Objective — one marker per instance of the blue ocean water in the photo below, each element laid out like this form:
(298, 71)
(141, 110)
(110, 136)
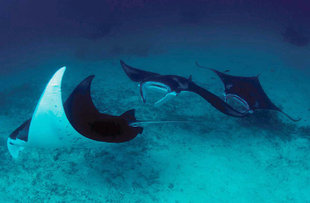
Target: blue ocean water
(216, 158)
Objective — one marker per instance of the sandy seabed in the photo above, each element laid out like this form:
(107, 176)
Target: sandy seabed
(261, 158)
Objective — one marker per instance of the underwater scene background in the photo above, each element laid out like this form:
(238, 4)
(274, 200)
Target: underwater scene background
(215, 158)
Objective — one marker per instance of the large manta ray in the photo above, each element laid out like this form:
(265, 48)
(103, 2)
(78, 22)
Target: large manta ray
(75, 123)
(88, 121)
(173, 85)
(247, 91)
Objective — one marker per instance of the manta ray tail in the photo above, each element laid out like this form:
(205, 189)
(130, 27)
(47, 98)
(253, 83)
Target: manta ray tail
(130, 117)
(139, 122)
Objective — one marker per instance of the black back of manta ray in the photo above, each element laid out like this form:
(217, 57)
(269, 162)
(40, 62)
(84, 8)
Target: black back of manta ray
(135, 74)
(89, 122)
(249, 89)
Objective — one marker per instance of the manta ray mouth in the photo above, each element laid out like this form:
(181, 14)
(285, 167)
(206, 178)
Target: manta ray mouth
(157, 86)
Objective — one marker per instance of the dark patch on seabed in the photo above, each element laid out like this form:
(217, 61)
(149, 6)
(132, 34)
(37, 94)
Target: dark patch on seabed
(274, 125)
(215, 158)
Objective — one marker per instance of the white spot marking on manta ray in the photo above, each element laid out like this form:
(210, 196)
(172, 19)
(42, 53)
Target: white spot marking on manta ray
(182, 85)
(228, 86)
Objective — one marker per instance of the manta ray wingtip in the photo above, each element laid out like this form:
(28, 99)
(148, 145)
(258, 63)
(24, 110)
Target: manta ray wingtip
(87, 81)
(205, 67)
(123, 64)
(60, 72)
(290, 117)
(91, 77)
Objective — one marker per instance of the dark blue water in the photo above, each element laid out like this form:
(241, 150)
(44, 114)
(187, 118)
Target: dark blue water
(260, 158)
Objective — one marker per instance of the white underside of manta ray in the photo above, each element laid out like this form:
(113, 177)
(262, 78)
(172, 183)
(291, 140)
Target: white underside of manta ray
(49, 125)
(157, 86)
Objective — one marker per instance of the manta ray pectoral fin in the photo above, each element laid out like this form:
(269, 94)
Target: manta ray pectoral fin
(43, 127)
(289, 117)
(48, 113)
(135, 74)
(203, 67)
(49, 126)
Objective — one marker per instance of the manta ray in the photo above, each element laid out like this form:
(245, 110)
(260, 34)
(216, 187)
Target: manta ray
(89, 122)
(76, 122)
(247, 91)
(173, 85)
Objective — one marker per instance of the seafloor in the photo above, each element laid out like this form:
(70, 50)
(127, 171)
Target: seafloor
(261, 158)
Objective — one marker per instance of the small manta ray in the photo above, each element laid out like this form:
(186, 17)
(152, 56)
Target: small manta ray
(174, 85)
(247, 91)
